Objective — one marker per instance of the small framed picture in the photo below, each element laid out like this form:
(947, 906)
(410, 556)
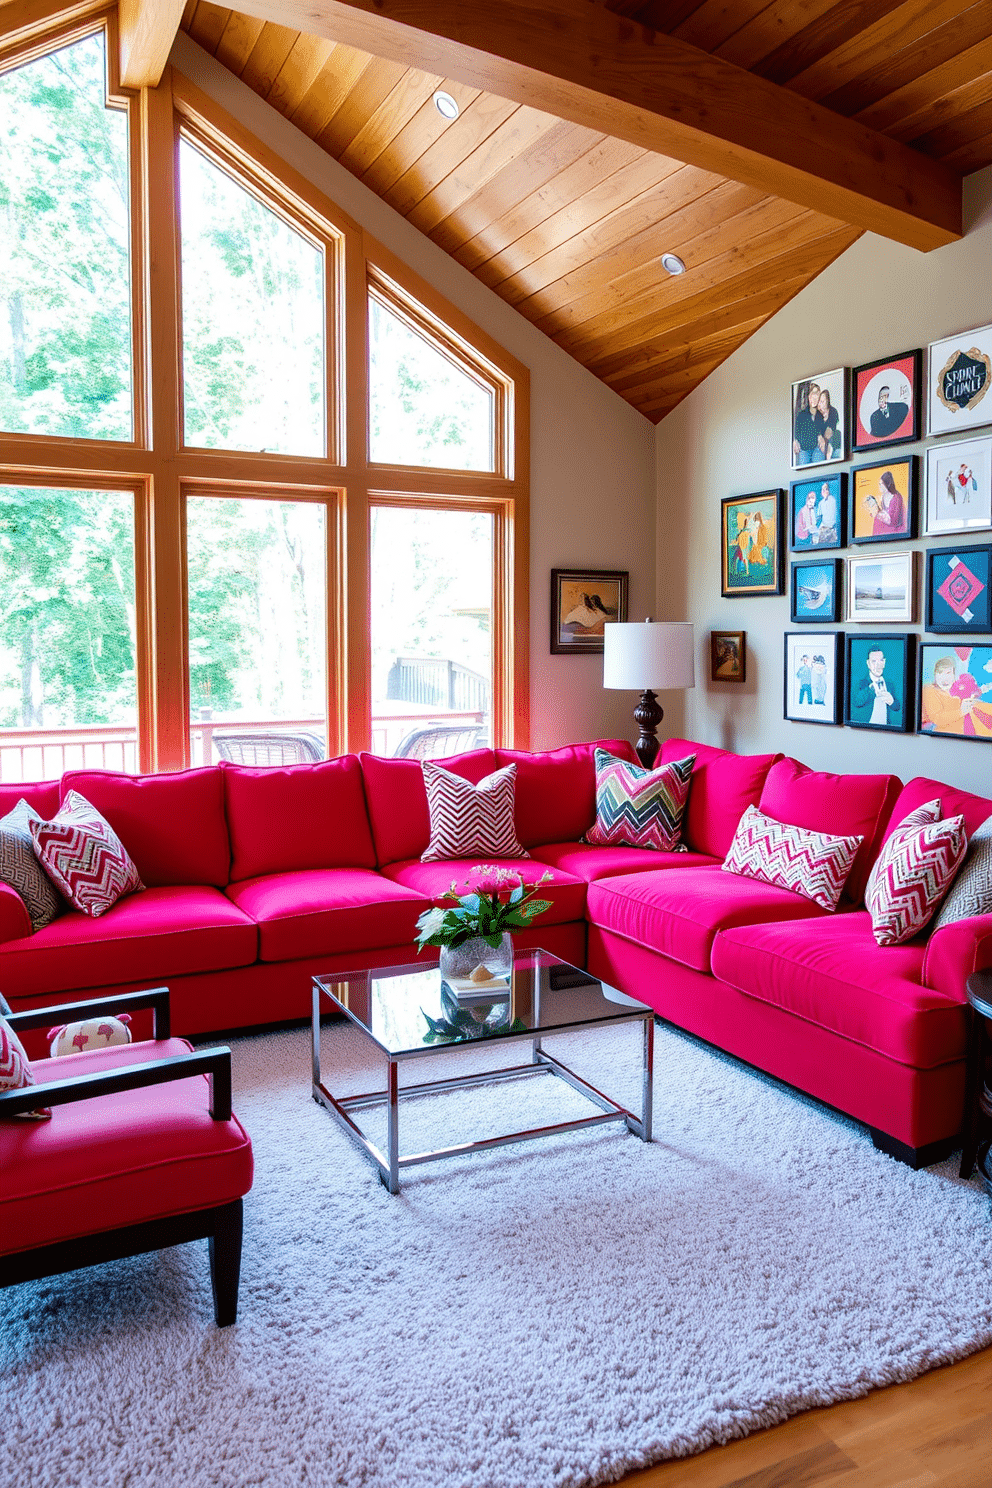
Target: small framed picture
(813, 666)
(817, 513)
(885, 401)
(728, 655)
(959, 370)
(582, 600)
(959, 487)
(815, 591)
(959, 589)
(878, 678)
(882, 587)
(955, 691)
(819, 419)
(883, 500)
(752, 551)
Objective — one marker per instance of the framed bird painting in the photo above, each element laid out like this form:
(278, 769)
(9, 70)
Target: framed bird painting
(582, 600)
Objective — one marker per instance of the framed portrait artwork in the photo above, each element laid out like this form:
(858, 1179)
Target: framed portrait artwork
(728, 655)
(955, 691)
(959, 589)
(882, 588)
(752, 550)
(819, 419)
(818, 512)
(878, 677)
(813, 665)
(885, 401)
(815, 592)
(959, 487)
(582, 600)
(883, 500)
(959, 370)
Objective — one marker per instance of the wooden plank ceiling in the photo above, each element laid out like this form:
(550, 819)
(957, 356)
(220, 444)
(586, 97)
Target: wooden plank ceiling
(569, 226)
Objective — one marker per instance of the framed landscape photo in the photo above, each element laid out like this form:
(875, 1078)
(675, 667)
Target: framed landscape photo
(959, 370)
(813, 665)
(959, 487)
(955, 691)
(728, 655)
(883, 500)
(878, 676)
(886, 404)
(882, 588)
(959, 589)
(752, 558)
(819, 419)
(582, 600)
(815, 592)
(817, 512)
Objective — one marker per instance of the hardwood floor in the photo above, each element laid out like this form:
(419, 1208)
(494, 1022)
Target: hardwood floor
(935, 1432)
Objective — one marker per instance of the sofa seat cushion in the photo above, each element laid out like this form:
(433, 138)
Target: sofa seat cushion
(679, 911)
(146, 937)
(117, 1159)
(566, 894)
(723, 786)
(321, 911)
(582, 860)
(830, 972)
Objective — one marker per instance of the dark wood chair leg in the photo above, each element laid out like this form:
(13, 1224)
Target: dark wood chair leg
(225, 1262)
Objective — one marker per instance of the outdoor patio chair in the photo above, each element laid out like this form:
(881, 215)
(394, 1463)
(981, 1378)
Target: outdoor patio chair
(436, 743)
(141, 1152)
(269, 749)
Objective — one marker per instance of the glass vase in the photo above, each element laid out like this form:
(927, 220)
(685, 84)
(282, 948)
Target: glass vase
(464, 960)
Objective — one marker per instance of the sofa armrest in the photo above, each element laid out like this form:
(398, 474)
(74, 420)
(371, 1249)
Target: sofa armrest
(215, 1063)
(101, 1007)
(15, 921)
(954, 952)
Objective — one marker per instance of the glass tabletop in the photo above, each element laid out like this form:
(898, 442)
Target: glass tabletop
(411, 1009)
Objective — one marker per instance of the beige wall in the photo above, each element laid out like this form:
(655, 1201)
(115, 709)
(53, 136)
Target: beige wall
(592, 455)
(732, 436)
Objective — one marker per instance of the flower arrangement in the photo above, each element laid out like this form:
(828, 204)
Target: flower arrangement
(497, 901)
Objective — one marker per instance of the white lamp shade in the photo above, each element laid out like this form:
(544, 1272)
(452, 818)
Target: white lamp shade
(656, 654)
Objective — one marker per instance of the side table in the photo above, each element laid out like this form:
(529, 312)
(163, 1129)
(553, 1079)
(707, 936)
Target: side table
(978, 1095)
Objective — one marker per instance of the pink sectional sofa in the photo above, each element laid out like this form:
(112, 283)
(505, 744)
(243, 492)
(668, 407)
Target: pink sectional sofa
(257, 878)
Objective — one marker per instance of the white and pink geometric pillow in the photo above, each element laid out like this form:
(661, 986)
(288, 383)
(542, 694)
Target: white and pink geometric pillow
(469, 820)
(15, 1069)
(84, 857)
(913, 873)
(814, 864)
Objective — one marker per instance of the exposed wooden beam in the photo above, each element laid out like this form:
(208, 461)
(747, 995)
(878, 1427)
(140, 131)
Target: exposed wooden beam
(147, 30)
(583, 63)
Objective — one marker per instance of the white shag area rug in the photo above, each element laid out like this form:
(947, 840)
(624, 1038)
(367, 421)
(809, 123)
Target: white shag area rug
(545, 1315)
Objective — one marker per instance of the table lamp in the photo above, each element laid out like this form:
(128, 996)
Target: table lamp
(641, 657)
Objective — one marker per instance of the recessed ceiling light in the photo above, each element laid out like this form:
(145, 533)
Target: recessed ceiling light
(672, 263)
(445, 105)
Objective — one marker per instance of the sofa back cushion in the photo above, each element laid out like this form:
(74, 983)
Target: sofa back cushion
(173, 826)
(44, 795)
(846, 805)
(397, 799)
(953, 802)
(288, 817)
(556, 789)
(723, 786)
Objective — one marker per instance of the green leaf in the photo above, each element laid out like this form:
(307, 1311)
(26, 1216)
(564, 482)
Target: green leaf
(535, 907)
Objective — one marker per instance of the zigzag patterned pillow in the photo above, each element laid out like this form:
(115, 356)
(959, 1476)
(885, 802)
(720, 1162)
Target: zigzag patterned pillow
(15, 1069)
(913, 873)
(468, 819)
(21, 870)
(813, 864)
(637, 807)
(84, 857)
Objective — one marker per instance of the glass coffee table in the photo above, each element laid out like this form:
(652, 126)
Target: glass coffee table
(407, 1012)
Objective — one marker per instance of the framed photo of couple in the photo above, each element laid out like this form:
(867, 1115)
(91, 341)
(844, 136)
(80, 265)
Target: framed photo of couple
(813, 665)
(819, 419)
(959, 487)
(818, 513)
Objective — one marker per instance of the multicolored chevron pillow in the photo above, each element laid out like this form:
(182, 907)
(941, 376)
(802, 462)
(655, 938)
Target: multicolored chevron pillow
(814, 864)
(84, 857)
(469, 820)
(913, 873)
(637, 807)
(15, 1069)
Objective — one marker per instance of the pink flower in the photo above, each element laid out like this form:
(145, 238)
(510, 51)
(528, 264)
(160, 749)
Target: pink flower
(484, 878)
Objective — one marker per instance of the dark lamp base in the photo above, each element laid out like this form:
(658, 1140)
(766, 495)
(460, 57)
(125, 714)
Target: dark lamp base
(647, 716)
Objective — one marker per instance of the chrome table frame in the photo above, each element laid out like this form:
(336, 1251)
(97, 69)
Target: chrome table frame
(541, 1062)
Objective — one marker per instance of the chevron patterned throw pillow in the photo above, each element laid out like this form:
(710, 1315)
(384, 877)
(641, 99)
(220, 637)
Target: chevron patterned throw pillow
(21, 870)
(813, 864)
(469, 820)
(913, 873)
(15, 1069)
(84, 857)
(637, 807)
